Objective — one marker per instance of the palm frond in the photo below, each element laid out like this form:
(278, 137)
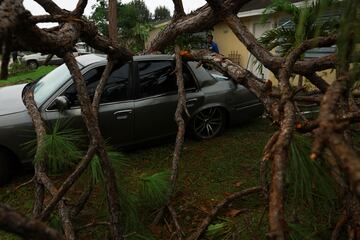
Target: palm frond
(277, 37)
(307, 22)
(280, 6)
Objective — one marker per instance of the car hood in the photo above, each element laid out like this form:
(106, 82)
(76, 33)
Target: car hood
(11, 99)
(35, 55)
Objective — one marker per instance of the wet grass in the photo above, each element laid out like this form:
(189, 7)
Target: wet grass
(27, 76)
(209, 171)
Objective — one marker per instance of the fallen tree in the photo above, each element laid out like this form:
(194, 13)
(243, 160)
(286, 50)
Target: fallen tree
(18, 31)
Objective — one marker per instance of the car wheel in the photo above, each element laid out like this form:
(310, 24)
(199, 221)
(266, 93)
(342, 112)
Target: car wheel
(208, 123)
(32, 64)
(6, 168)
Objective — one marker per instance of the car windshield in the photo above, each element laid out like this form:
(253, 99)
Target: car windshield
(218, 75)
(51, 82)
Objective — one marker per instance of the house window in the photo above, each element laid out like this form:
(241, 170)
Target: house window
(315, 52)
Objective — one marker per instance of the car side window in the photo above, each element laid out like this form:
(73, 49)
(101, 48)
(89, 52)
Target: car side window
(92, 78)
(116, 88)
(156, 77)
(189, 81)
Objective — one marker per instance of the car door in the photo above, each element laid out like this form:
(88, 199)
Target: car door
(115, 112)
(71, 118)
(156, 99)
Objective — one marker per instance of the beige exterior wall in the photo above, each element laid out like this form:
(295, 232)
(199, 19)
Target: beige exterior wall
(228, 43)
(231, 47)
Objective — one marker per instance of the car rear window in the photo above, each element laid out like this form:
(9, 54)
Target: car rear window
(159, 77)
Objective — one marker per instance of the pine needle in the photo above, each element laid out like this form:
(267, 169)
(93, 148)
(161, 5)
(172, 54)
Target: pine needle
(154, 188)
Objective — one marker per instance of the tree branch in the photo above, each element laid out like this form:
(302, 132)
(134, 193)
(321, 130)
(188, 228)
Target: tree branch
(82, 200)
(80, 7)
(39, 156)
(201, 19)
(216, 5)
(180, 109)
(14, 222)
(5, 59)
(242, 76)
(179, 9)
(349, 160)
(50, 7)
(68, 183)
(202, 227)
(317, 81)
(10, 12)
(100, 87)
(96, 138)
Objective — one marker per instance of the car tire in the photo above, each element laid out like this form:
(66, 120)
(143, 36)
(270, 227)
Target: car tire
(6, 168)
(32, 64)
(208, 123)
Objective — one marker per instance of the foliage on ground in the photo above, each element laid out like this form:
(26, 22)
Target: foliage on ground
(209, 171)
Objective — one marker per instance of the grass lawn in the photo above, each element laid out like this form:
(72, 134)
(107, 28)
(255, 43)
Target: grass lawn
(28, 76)
(209, 171)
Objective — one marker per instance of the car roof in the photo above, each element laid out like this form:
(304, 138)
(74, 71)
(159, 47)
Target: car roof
(88, 59)
(203, 76)
(157, 57)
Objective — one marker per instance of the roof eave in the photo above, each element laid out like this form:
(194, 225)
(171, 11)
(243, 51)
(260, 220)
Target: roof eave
(257, 12)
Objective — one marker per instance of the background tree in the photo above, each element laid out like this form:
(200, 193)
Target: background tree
(133, 22)
(142, 11)
(161, 13)
(100, 16)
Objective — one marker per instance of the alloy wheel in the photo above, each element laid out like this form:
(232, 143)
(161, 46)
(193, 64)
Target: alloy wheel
(208, 123)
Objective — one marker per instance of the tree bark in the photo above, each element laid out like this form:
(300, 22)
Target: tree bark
(180, 109)
(13, 222)
(5, 60)
(96, 138)
(205, 223)
(179, 9)
(201, 19)
(112, 21)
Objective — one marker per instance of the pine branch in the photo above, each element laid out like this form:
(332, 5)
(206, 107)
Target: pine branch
(202, 227)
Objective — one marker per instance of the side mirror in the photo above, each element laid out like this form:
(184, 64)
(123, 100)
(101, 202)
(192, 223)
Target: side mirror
(62, 103)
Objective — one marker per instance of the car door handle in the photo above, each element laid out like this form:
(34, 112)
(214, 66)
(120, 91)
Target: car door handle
(122, 114)
(191, 102)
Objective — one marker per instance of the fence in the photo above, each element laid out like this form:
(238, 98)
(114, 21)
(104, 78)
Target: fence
(234, 56)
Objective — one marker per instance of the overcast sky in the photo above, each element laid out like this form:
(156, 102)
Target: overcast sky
(189, 5)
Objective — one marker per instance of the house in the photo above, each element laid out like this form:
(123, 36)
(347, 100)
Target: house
(251, 14)
(229, 44)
